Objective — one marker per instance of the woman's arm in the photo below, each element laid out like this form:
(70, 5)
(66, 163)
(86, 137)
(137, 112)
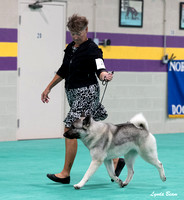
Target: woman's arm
(55, 81)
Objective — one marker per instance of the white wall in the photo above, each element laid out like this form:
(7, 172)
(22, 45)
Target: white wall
(8, 105)
(107, 16)
(8, 13)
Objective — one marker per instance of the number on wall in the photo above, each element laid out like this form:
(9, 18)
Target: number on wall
(39, 35)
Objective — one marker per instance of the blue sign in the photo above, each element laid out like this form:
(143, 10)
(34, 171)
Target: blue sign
(176, 89)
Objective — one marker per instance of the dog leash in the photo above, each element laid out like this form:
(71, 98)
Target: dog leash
(105, 83)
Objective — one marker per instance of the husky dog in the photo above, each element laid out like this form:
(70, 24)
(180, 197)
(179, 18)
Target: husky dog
(106, 141)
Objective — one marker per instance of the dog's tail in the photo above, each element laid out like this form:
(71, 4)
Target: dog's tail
(140, 121)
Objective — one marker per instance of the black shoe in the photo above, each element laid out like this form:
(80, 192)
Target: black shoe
(60, 180)
(120, 166)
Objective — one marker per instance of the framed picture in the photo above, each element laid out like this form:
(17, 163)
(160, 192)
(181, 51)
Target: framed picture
(131, 13)
(181, 15)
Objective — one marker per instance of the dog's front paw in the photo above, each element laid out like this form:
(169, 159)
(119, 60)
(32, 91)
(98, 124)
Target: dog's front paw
(163, 178)
(122, 184)
(76, 186)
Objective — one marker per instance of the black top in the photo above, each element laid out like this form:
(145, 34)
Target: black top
(79, 66)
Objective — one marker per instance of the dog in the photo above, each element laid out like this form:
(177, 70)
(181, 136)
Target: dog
(106, 141)
(133, 11)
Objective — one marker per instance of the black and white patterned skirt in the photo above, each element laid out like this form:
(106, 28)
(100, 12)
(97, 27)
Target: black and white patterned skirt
(84, 100)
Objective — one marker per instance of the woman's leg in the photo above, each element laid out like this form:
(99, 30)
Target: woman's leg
(70, 153)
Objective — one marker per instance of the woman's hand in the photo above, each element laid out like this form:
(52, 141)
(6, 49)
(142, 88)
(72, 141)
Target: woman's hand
(44, 97)
(106, 76)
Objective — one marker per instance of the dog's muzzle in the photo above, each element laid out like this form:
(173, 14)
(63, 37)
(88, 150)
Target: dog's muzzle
(71, 134)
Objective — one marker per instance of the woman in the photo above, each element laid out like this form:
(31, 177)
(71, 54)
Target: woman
(82, 62)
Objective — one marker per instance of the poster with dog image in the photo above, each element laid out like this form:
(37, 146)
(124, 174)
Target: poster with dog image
(131, 13)
(181, 15)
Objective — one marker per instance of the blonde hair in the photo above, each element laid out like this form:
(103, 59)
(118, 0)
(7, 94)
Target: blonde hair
(77, 23)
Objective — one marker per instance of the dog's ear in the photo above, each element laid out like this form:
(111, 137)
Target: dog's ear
(86, 121)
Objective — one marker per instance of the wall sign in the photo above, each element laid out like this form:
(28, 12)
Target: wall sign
(176, 89)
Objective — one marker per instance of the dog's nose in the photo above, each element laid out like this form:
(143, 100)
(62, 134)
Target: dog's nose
(65, 134)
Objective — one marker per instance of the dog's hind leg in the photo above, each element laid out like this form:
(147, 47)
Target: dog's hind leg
(148, 152)
(95, 164)
(129, 161)
(110, 169)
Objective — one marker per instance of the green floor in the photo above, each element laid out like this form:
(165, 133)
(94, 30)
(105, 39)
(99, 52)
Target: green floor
(24, 165)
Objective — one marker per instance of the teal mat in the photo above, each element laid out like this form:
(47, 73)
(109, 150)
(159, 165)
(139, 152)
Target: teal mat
(24, 165)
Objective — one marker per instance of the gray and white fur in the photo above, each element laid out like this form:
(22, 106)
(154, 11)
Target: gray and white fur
(106, 141)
